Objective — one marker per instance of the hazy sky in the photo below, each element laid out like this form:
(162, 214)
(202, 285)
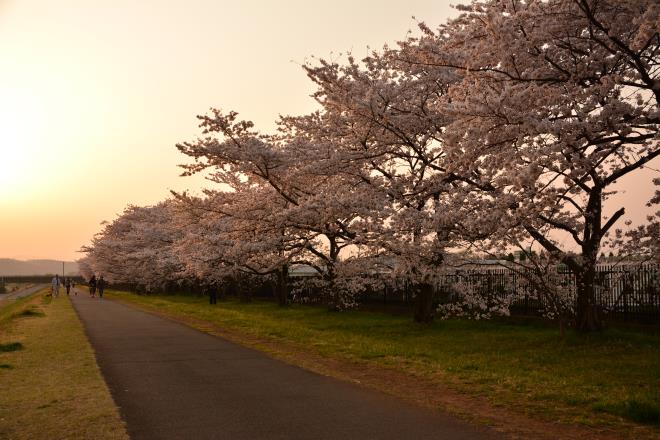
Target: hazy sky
(94, 95)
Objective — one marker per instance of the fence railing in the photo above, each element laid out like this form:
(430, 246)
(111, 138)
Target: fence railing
(623, 292)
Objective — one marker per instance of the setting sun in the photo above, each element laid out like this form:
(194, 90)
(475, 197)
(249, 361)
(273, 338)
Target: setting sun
(22, 126)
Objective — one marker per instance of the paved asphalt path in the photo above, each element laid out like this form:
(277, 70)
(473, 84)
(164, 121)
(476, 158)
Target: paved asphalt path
(23, 292)
(173, 382)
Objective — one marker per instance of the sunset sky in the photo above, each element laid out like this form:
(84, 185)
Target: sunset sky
(94, 95)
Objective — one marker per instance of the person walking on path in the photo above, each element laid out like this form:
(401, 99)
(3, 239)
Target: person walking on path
(92, 286)
(55, 285)
(213, 294)
(67, 285)
(73, 286)
(100, 284)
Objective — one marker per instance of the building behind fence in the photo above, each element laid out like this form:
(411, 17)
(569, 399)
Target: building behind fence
(623, 292)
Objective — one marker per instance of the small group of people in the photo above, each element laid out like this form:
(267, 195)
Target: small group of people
(96, 285)
(68, 284)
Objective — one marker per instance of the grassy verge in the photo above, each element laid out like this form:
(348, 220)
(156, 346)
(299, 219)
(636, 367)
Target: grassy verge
(51, 385)
(605, 380)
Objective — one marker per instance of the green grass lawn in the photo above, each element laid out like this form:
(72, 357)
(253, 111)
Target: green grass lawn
(600, 379)
(50, 385)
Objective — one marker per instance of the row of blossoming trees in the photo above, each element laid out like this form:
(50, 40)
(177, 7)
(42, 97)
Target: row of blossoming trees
(505, 127)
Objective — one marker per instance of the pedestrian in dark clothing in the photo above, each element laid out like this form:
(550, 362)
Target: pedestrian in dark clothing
(92, 286)
(100, 284)
(213, 294)
(67, 284)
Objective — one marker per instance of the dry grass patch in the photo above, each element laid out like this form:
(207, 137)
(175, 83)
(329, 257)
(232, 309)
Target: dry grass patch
(51, 385)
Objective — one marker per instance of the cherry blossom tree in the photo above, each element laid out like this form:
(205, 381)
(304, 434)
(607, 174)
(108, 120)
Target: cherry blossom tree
(136, 248)
(558, 100)
(381, 128)
(281, 207)
(228, 236)
(85, 267)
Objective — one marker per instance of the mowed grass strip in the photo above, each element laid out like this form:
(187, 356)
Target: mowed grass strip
(606, 379)
(51, 387)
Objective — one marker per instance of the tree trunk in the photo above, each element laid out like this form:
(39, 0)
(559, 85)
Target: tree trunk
(282, 286)
(245, 293)
(424, 303)
(333, 300)
(332, 296)
(562, 328)
(587, 314)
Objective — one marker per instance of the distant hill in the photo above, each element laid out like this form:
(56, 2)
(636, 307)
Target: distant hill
(10, 267)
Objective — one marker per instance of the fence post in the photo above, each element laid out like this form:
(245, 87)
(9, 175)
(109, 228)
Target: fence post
(625, 297)
(526, 304)
(489, 277)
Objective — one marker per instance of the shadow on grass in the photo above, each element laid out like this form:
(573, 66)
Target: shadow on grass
(32, 311)
(640, 411)
(47, 405)
(5, 367)
(12, 346)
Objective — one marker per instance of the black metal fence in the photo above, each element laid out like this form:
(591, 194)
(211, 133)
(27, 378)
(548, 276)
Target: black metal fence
(628, 292)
